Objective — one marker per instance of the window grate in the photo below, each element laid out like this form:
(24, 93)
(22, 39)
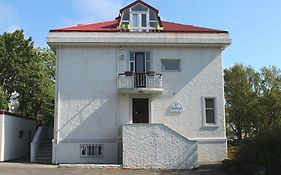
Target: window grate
(91, 150)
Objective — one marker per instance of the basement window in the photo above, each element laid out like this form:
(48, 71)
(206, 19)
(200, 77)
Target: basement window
(91, 150)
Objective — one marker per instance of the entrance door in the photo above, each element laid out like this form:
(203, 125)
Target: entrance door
(140, 110)
(140, 79)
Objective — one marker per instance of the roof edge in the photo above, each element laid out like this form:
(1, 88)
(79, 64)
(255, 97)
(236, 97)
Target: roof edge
(2, 112)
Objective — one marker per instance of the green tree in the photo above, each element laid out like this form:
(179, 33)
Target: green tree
(241, 95)
(27, 75)
(270, 98)
(3, 100)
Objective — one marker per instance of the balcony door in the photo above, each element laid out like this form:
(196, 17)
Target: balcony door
(140, 110)
(140, 77)
(140, 62)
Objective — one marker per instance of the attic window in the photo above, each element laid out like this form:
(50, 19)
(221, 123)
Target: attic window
(139, 18)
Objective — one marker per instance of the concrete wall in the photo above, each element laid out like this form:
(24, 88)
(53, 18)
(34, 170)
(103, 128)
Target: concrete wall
(13, 146)
(157, 146)
(87, 97)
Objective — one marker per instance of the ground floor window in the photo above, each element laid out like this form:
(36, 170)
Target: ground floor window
(91, 150)
(209, 111)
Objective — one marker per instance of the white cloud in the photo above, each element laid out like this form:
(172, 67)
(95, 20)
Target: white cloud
(96, 10)
(9, 18)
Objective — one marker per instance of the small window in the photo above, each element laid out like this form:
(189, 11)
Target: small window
(152, 15)
(170, 65)
(91, 150)
(210, 111)
(126, 15)
(21, 134)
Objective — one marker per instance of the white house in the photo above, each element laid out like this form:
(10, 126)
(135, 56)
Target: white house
(139, 91)
(16, 134)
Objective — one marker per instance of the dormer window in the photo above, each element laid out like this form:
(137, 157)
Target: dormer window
(139, 18)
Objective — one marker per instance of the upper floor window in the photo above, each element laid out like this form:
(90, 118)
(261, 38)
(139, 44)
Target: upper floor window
(170, 65)
(139, 18)
(139, 62)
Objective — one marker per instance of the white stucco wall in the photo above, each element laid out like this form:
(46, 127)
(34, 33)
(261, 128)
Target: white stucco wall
(201, 76)
(157, 146)
(1, 138)
(14, 147)
(89, 108)
(212, 151)
(87, 98)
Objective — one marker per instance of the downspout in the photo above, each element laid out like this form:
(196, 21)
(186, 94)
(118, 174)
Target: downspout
(57, 108)
(117, 108)
(224, 121)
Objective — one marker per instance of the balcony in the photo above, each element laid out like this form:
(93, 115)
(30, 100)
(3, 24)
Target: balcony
(140, 83)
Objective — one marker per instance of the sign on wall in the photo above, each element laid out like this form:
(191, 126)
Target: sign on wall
(176, 108)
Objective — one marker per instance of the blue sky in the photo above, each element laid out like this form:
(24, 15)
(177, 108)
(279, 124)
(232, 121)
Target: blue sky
(254, 26)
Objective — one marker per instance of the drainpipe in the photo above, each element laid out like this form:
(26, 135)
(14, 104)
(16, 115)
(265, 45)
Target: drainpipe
(117, 107)
(57, 108)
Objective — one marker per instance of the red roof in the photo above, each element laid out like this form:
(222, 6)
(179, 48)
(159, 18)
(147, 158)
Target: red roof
(111, 26)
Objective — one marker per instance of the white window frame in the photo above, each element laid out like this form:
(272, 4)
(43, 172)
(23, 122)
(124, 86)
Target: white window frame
(139, 27)
(164, 70)
(205, 124)
(95, 153)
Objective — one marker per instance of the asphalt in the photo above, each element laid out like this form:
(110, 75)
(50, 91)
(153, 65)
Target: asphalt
(8, 168)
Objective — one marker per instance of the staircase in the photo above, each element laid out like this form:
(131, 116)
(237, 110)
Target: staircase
(44, 152)
(41, 146)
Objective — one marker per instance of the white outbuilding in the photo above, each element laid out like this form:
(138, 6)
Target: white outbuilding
(16, 134)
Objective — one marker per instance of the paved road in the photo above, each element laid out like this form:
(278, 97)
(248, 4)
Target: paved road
(32, 169)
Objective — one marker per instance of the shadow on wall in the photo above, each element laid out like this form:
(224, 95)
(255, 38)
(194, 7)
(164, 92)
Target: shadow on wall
(96, 119)
(195, 62)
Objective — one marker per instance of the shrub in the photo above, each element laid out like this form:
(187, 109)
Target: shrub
(262, 149)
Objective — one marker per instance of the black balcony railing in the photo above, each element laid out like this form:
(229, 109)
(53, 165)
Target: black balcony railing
(140, 80)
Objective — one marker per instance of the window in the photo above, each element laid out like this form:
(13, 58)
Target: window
(148, 65)
(170, 65)
(91, 150)
(143, 20)
(21, 134)
(135, 20)
(210, 111)
(139, 18)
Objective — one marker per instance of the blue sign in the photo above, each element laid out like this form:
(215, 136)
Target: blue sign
(176, 108)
